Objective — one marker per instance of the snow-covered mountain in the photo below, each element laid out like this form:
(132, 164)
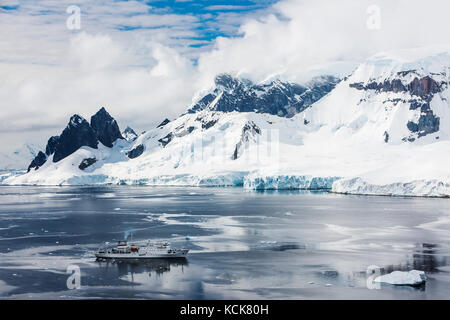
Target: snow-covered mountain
(279, 98)
(385, 129)
(129, 134)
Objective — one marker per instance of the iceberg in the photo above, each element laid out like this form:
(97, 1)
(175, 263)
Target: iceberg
(402, 278)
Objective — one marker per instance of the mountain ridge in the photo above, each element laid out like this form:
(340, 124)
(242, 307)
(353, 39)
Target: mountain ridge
(384, 129)
(277, 97)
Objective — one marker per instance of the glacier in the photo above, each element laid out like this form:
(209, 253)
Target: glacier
(424, 188)
(288, 182)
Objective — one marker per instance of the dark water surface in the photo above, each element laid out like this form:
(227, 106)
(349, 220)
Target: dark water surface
(244, 245)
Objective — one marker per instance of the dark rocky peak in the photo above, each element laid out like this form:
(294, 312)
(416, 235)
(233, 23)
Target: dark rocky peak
(37, 162)
(77, 134)
(51, 145)
(129, 134)
(105, 127)
(228, 82)
(162, 124)
(277, 97)
(76, 120)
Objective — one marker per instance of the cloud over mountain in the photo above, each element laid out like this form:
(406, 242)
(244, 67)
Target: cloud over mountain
(146, 62)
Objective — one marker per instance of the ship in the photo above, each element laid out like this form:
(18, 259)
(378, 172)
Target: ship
(123, 250)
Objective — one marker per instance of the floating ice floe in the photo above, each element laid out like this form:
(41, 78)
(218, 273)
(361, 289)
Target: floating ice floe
(268, 242)
(402, 278)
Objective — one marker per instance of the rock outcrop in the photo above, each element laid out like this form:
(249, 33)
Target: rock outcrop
(279, 98)
(77, 134)
(37, 162)
(105, 127)
(162, 124)
(87, 163)
(421, 89)
(129, 134)
(136, 152)
(249, 131)
(80, 133)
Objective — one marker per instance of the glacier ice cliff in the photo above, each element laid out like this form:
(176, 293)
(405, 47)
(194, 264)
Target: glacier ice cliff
(288, 182)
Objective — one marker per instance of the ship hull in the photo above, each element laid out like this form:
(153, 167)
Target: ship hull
(132, 256)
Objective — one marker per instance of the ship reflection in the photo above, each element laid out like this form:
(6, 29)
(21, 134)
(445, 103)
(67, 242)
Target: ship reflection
(425, 257)
(152, 266)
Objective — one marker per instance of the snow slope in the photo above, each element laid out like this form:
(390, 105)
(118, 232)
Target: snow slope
(384, 130)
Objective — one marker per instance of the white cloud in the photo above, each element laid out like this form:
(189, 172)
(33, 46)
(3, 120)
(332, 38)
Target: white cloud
(226, 7)
(97, 73)
(308, 37)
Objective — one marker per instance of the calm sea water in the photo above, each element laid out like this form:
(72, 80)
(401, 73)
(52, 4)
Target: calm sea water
(244, 245)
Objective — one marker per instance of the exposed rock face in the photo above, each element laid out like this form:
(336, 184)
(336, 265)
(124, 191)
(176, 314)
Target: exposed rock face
(87, 163)
(129, 134)
(80, 133)
(183, 132)
(136, 152)
(208, 120)
(208, 124)
(162, 124)
(105, 127)
(249, 131)
(77, 134)
(166, 140)
(179, 132)
(421, 89)
(278, 98)
(386, 137)
(428, 123)
(424, 87)
(51, 145)
(37, 162)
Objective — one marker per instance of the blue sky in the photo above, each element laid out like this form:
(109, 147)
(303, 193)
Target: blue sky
(190, 25)
(212, 15)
